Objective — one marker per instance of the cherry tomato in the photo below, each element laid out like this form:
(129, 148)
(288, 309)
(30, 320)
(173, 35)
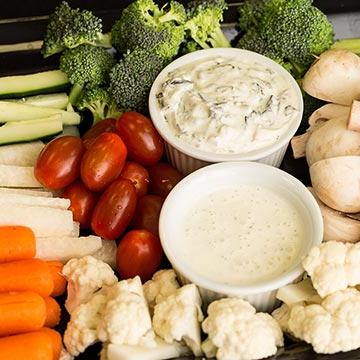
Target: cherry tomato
(139, 253)
(82, 201)
(163, 177)
(103, 162)
(147, 213)
(144, 144)
(138, 175)
(114, 210)
(106, 125)
(58, 164)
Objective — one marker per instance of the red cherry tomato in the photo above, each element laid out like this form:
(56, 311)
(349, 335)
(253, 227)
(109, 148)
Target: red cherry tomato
(114, 210)
(143, 142)
(163, 177)
(138, 175)
(139, 253)
(82, 201)
(106, 125)
(58, 164)
(147, 213)
(103, 162)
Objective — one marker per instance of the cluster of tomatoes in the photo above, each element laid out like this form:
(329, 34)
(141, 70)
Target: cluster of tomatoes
(115, 182)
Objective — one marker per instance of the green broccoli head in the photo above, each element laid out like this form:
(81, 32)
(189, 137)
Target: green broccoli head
(86, 65)
(143, 25)
(203, 25)
(99, 102)
(250, 13)
(69, 28)
(132, 77)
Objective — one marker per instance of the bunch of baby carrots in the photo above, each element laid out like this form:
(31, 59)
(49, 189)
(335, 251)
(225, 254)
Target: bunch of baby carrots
(28, 309)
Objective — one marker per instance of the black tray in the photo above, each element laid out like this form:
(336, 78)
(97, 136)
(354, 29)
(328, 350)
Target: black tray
(25, 21)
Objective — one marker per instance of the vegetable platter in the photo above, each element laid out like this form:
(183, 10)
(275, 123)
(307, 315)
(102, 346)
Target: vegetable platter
(84, 174)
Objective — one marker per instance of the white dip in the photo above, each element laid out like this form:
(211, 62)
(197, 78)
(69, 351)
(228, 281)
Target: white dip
(241, 235)
(224, 105)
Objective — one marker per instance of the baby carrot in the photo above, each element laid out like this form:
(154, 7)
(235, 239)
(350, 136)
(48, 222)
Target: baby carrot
(26, 275)
(21, 312)
(37, 345)
(53, 312)
(58, 279)
(16, 243)
(55, 340)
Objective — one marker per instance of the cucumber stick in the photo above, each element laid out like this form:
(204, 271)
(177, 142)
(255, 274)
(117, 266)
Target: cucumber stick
(23, 131)
(19, 86)
(56, 101)
(11, 111)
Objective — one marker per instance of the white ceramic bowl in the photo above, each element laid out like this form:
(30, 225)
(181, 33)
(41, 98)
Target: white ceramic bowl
(187, 158)
(200, 183)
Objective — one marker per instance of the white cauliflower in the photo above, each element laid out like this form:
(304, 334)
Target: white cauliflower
(236, 331)
(162, 284)
(178, 318)
(125, 317)
(330, 327)
(333, 266)
(85, 276)
(64, 355)
(81, 330)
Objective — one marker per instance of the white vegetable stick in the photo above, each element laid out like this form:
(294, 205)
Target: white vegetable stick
(21, 199)
(76, 229)
(354, 116)
(44, 221)
(30, 192)
(18, 176)
(107, 253)
(20, 154)
(65, 248)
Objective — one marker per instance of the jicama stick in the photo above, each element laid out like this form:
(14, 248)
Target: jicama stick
(37, 345)
(31, 192)
(53, 312)
(107, 253)
(16, 243)
(58, 278)
(26, 275)
(43, 221)
(21, 312)
(55, 341)
(24, 154)
(18, 176)
(354, 116)
(76, 230)
(66, 248)
(21, 199)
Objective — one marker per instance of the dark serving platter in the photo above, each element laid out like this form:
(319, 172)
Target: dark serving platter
(23, 22)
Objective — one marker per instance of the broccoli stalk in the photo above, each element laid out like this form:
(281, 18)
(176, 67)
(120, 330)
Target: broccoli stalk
(352, 45)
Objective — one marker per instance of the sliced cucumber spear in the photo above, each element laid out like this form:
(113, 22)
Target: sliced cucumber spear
(29, 130)
(11, 111)
(56, 101)
(19, 86)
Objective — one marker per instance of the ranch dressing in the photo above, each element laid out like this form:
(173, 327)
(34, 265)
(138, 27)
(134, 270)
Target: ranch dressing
(242, 235)
(225, 105)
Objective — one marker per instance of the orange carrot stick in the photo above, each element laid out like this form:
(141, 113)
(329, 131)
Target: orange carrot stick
(16, 243)
(56, 341)
(53, 312)
(26, 275)
(35, 345)
(21, 312)
(58, 279)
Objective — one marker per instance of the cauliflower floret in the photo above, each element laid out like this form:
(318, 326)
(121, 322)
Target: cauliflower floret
(85, 276)
(236, 331)
(162, 284)
(126, 318)
(330, 327)
(178, 318)
(282, 316)
(81, 329)
(64, 355)
(333, 266)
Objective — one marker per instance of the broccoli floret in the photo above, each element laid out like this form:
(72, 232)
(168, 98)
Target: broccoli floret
(69, 28)
(292, 32)
(132, 77)
(86, 65)
(143, 25)
(203, 25)
(99, 102)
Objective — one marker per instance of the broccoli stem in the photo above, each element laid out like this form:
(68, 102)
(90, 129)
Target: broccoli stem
(348, 44)
(218, 39)
(104, 40)
(75, 93)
